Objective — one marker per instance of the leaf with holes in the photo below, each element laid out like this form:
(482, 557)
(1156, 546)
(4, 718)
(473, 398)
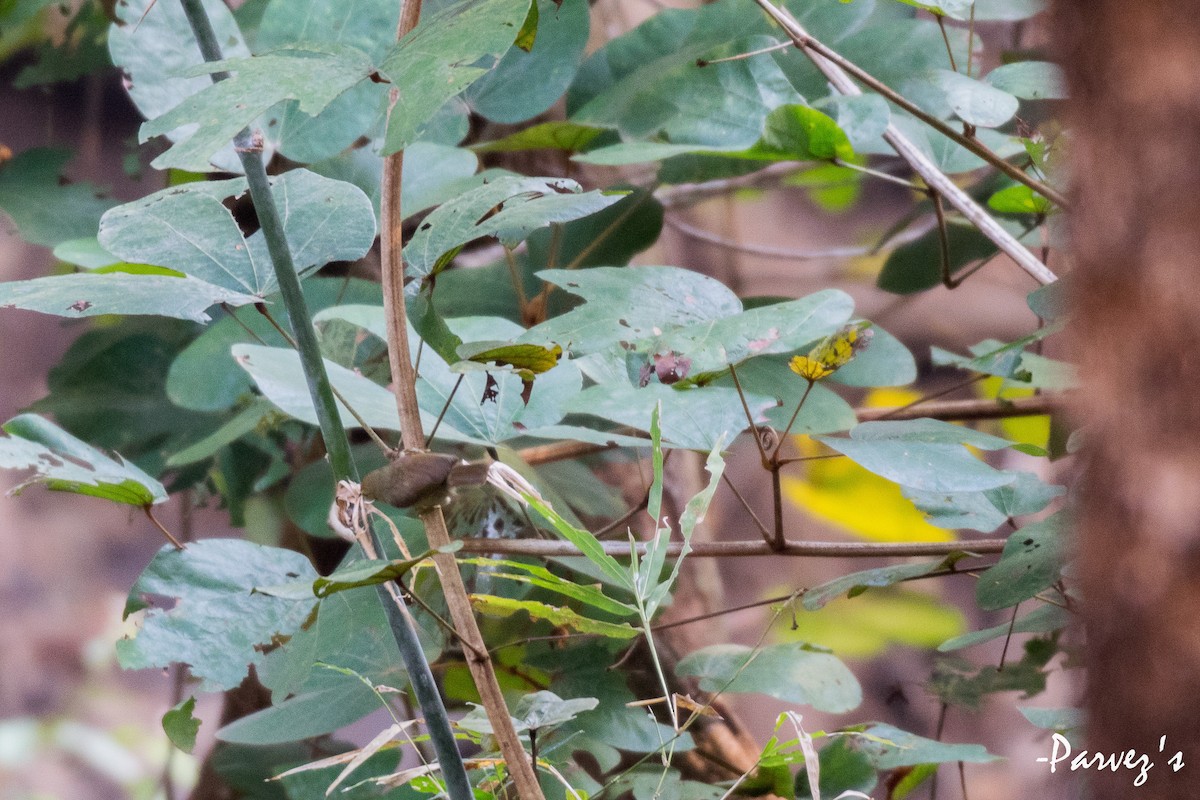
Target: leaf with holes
(66, 464)
(189, 229)
(508, 208)
(219, 625)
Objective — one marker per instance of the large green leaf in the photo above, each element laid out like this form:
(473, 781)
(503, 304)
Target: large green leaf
(647, 82)
(508, 208)
(367, 25)
(533, 712)
(858, 582)
(439, 58)
(789, 672)
(89, 295)
(558, 616)
(204, 376)
(46, 208)
(985, 511)
(314, 75)
(219, 625)
(629, 304)
(433, 173)
(917, 265)
(888, 747)
(693, 419)
(721, 105)
(66, 464)
(153, 44)
(1032, 561)
(923, 454)
(1043, 619)
(1030, 80)
(187, 228)
(524, 84)
(973, 101)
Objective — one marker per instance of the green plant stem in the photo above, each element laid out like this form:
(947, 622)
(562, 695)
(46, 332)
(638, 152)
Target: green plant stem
(249, 150)
(336, 444)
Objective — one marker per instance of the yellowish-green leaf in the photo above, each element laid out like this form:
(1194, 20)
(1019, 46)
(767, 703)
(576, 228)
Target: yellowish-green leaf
(564, 617)
(526, 359)
(833, 352)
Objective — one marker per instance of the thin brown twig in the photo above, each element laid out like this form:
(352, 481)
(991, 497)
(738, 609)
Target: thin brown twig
(552, 548)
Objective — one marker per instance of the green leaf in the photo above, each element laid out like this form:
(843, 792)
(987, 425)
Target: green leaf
(85, 252)
(533, 712)
(956, 9)
(1032, 561)
(963, 683)
(45, 207)
(648, 84)
(187, 228)
(923, 454)
(312, 74)
(1043, 619)
(1002, 359)
(371, 573)
(801, 133)
(242, 423)
(66, 464)
(1018, 199)
(1051, 302)
(1030, 80)
(554, 135)
(988, 510)
(437, 60)
(629, 304)
(527, 359)
(154, 46)
(219, 625)
(693, 515)
(917, 265)
(1054, 719)
(888, 747)
(693, 419)
(559, 616)
(181, 726)
(277, 373)
(367, 25)
(858, 582)
(588, 544)
(617, 155)
(842, 769)
(433, 173)
(789, 672)
(824, 410)
(508, 208)
(89, 295)
(526, 82)
(865, 626)
(205, 377)
(1007, 10)
(541, 577)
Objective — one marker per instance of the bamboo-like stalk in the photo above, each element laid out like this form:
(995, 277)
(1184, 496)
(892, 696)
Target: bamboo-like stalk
(336, 444)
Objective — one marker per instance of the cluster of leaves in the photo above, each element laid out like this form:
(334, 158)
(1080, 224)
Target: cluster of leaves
(556, 339)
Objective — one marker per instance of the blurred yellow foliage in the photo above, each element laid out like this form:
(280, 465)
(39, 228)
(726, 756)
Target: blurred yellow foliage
(847, 496)
(863, 626)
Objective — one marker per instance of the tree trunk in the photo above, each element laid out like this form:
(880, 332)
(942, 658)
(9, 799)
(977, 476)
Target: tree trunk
(1135, 115)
